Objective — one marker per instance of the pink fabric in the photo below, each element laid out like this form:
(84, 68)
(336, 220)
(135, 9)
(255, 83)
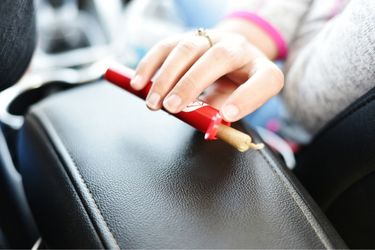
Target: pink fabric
(267, 27)
(336, 8)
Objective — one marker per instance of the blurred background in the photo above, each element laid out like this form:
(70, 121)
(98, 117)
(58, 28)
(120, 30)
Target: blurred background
(77, 32)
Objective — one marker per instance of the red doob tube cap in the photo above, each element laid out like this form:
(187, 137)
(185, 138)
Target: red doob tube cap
(198, 114)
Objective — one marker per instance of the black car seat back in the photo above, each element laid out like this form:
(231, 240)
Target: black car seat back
(338, 169)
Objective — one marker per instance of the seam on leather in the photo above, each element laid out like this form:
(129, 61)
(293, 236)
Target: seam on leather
(52, 135)
(355, 182)
(36, 126)
(336, 195)
(299, 201)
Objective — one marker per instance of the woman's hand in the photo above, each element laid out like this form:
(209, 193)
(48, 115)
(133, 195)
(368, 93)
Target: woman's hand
(233, 75)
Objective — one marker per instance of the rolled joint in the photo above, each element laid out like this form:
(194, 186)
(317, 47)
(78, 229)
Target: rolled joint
(239, 140)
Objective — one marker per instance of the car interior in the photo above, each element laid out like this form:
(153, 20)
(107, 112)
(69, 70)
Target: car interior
(84, 164)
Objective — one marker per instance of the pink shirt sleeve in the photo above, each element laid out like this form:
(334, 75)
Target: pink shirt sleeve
(272, 31)
(278, 18)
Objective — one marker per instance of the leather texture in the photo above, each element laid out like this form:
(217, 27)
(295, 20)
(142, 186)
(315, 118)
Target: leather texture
(101, 170)
(338, 169)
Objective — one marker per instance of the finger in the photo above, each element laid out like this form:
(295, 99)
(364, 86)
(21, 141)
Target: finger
(221, 59)
(150, 63)
(265, 81)
(218, 92)
(177, 63)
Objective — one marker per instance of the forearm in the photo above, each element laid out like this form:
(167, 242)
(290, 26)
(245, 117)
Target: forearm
(334, 69)
(253, 33)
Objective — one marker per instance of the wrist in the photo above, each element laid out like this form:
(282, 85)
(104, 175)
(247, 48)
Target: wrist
(257, 31)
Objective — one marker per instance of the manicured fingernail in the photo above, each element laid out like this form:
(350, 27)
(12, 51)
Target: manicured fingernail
(230, 112)
(137, 82)
(153, 100)
(172, 103)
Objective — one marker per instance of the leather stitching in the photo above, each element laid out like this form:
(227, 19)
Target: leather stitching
(291, 191)
(35, 124)
(92, 198)
(79, 175)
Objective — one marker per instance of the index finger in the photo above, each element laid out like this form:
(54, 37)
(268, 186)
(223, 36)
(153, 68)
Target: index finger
(152, 61)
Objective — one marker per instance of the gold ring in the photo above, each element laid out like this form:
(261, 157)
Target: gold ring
(203, 32)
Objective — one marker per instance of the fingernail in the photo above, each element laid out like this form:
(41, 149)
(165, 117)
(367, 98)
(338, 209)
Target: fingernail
(172, 103)
(136, 82)
(153, 100)
(230, 112)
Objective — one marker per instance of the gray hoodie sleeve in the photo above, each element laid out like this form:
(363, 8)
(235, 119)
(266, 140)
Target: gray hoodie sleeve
(17, 39)
(331, 59)
(333, 69)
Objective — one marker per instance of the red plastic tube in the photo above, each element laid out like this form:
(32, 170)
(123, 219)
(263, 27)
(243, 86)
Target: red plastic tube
(198, 114)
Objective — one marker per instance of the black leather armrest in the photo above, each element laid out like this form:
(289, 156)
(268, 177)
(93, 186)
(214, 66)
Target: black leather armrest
(101, 170)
